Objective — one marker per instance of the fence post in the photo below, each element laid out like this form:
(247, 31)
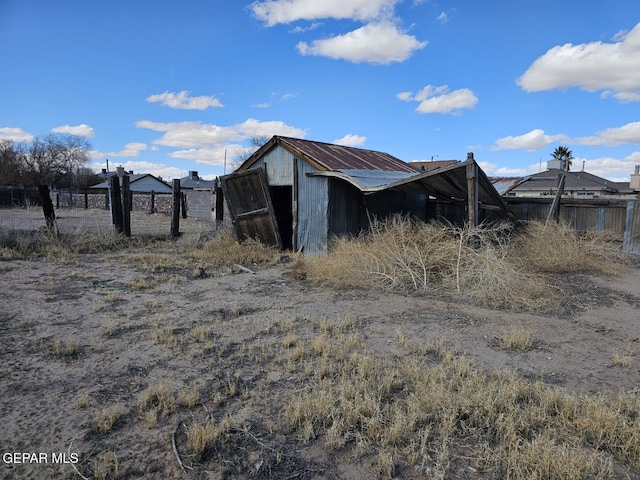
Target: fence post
(629, 242)
(175, 209)
(183, 204)
(47, 207)
(472, 191)
(116, 204)
(86, 200)
(126, 206)
(152, 206)
(219, 204)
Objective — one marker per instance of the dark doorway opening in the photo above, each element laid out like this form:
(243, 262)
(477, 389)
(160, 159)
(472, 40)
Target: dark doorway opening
(282, 200)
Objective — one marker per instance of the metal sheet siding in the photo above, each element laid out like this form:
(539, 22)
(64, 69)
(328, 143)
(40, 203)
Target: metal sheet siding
(313, 203)
(343, 209)
(279, 163)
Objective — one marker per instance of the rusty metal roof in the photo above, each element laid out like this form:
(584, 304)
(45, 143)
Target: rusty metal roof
(330, 157)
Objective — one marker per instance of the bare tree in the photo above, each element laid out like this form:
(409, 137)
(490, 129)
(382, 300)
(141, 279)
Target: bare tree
(53, 160)
(10, 164)
(255, 141)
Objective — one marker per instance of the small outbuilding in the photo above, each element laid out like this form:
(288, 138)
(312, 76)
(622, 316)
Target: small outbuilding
(299, 194)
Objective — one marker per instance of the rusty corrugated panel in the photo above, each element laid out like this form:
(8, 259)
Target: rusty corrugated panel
(339, 157)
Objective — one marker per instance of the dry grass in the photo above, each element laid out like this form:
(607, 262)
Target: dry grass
(107, 417)
(517, 339)
(490, 266)
(158, 397)
(106, 466)
(438, 413)
(200, 438)
(558, 248)
(22, 244)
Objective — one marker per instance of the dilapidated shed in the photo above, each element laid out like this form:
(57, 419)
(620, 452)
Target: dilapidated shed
(298, 194)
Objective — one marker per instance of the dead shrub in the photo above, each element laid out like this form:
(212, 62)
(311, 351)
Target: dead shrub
(224, 250)
(558, 248)
(416, 257)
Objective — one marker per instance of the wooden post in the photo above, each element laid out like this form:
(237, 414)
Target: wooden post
(472, 191)
(175, 209)
(106, 201)
(152, 206)
(554, 212)
(126, 206)
(116, 203)
(219, 204)
(183, 204)
(86, 200)
(47, 207)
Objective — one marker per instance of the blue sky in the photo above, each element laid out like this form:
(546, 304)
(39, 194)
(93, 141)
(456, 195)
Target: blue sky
(165, 87)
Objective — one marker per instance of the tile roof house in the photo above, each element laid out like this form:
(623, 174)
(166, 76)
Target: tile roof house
(578, 184)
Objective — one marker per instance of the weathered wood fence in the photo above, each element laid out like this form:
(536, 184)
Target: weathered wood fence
(620, 216)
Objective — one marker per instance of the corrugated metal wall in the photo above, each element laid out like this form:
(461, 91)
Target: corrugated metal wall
(312, 197)
(313, 208)
(344, 208)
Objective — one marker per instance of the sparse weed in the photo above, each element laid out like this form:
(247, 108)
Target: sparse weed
(517, 339)
(107, 417)
(621, 360)
(201, 333)
(163, 334)
(83, 401)
(420, 411)
(188, 396)
(106, 466)
(202, 437)
(289, 340)
(64, 348)
(158, 396)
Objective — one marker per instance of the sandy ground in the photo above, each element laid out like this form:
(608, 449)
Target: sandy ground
(83, 342)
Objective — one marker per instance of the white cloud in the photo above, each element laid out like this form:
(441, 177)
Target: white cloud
(495, 170)
(211, 156)
(351, 140)
(132, 149)
(440, 100)
(299, 29)
(15, 134)
(613, 67)
(443, 18)
(261, 105)
(379, 43)
(533, 140)
(611, 137)
(181, 100)
(614, 169)
(82, 130)
(188, 135)
(273, 12)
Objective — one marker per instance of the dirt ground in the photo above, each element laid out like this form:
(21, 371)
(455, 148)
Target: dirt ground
(82, 342)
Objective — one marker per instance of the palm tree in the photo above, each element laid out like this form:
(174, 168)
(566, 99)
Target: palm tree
(564, 156)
